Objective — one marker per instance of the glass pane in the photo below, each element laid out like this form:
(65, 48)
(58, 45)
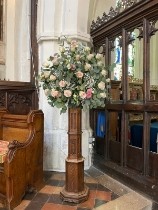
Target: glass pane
(116, 59)
(154, 62)
(135, 65)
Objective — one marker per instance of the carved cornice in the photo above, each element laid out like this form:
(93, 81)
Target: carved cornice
(121, 6)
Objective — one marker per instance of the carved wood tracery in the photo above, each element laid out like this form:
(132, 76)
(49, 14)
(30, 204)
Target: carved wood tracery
(140, 15)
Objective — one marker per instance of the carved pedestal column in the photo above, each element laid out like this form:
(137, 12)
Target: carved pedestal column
(75, 190)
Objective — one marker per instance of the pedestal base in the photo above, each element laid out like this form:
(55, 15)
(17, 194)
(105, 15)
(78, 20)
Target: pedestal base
(75, 197)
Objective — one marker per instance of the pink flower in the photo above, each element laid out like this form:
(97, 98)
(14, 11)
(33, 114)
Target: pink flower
(89, 93)
(55, 93)
(67, 93)
(62, 83)
(82, 94)
(52, 77)
(73, 67)
(79, 74)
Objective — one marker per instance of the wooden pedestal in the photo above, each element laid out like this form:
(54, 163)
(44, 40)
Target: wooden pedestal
(75, 190)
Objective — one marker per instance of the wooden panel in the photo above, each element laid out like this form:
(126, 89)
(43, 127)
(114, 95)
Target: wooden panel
(17, 97)
(135, 158)
(153, 165)
(115, 151)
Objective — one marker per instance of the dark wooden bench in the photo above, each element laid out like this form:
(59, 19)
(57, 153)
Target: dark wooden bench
(21, 168)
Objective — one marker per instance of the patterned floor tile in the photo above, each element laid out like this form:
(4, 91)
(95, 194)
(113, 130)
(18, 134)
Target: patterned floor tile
(48, 198)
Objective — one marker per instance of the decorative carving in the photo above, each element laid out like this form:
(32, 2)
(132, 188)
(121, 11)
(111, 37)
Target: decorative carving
(2, 99)
(74, 190)
(152, 28)
(19, 101)
(121, 6)
(140, 36)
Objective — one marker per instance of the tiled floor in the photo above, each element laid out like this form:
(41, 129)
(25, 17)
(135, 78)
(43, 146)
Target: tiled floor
(48, 198)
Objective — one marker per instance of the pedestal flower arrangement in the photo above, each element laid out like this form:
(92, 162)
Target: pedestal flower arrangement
(74, 79)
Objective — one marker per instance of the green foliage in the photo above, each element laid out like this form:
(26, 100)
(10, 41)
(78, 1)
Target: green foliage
(74, 77)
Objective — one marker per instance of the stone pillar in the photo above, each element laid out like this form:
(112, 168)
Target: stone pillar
(58, 18)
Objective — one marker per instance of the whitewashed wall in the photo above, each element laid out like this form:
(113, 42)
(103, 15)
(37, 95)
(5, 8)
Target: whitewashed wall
(18, 40)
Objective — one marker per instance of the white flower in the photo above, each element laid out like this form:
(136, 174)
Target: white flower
(103, 95)
(46, 74)
(61, 49)
(98, 56)
(104, 72)
(108, 80)
(75, 77)
(100, 63)
(90, 56)
(87, 49)
(87, 66)
(101, 85)
(77, 57)
(69, 66)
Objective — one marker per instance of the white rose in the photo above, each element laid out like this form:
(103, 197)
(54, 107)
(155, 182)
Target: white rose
(108, 80)
(101, 85)
(100, 63)
(104, 72)
(61, 49)
(98, 56)
(87, 66)
(77, 57)
(46, 64)
(90, 56)
(68, 66)
(46, 74)
(87, 49)
(103, 95)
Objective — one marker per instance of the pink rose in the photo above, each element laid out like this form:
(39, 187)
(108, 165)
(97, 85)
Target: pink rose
(82, 94)
(73, 67)
(79, 74)
(52, 77)
(55, 93)
(67, 93)
(62, 83)
(89, 93)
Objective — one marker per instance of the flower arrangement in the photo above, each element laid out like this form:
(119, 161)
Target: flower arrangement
(74, 77)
